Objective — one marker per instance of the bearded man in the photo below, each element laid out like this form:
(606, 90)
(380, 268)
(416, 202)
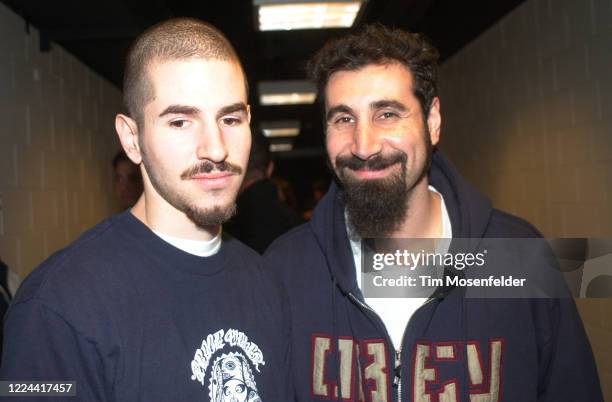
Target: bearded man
(382, 114)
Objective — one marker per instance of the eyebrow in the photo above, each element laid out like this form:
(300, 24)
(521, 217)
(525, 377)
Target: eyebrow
(337, 109)
(388, 103)
(233, 108)
(381, 104)
(180, 109)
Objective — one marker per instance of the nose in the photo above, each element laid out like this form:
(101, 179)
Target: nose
(365, 141)
(211, 144)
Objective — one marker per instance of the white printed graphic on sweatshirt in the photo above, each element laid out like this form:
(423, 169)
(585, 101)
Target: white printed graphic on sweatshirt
(225, 362)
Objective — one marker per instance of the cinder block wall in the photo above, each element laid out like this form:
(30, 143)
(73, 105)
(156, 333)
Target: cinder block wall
(56, 144)
(527, 110)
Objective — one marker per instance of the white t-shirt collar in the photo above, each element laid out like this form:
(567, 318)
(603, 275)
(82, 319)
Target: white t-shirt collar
(196, 247)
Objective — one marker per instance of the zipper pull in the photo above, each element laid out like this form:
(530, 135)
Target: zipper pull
(398, 368)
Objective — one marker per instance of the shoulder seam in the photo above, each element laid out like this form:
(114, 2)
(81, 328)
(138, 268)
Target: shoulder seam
(47, 307)
(69, 252)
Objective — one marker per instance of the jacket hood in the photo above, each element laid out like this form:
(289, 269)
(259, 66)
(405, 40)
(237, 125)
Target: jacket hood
(468, 209)
(469, 213)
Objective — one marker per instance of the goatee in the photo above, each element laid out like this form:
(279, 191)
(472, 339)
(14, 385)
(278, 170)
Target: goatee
(206, 217)
(378, 207)
(375, 207)
(202, 216)
(210, 217)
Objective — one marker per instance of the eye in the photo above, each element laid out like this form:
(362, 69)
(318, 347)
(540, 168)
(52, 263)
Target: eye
(179, 123)
(231, 121)
(388, 115)
(343, 120)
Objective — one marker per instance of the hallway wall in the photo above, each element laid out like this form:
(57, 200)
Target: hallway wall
(57, 140)
(527, 117)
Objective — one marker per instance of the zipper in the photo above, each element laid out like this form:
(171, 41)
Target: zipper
(398, 352)
(397, 378)
(398, 370)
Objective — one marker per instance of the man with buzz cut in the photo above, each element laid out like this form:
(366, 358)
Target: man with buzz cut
(382, 114)
(155, 304)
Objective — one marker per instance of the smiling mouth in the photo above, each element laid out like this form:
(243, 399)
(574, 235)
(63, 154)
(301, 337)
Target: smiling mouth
(370, 174)
(376, 167)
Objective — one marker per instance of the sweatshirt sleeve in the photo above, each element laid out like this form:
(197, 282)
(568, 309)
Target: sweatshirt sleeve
(40, 345)
(570, 373)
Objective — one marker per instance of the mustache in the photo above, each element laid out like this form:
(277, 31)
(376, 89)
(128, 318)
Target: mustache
(208, 166)
(377, 162)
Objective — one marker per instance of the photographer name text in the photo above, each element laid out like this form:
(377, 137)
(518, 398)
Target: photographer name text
(428, 281)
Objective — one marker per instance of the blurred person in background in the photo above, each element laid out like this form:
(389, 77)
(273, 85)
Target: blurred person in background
(318, 189)
(261, 215)
(286, 193)
(127, 180)
(9, 282)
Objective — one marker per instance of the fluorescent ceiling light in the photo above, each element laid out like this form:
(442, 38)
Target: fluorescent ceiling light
(282, 147)
(281, 132)
(293, 98)
(289, 128)
(286, 92)
(279, 15)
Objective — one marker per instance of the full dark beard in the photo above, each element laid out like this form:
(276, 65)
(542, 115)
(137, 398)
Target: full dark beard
(377, 208)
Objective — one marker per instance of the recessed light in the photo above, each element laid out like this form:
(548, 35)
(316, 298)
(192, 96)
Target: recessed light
(281, 128)
(281, 147)
(286, 92)
(279, 15)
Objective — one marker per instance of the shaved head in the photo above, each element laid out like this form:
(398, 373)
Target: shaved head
(175, 39)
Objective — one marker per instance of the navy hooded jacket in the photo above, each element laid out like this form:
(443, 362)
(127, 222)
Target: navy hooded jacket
(454, 349)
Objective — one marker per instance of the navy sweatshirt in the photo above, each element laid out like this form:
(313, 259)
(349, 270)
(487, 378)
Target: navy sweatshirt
(454, 348)
(131, 318)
